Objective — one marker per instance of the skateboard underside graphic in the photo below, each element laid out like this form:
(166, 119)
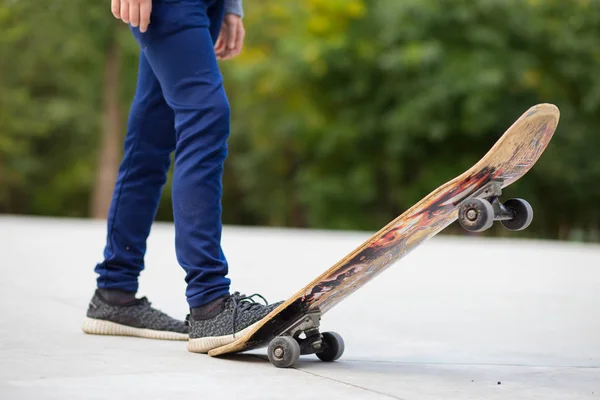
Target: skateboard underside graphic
(472, 198)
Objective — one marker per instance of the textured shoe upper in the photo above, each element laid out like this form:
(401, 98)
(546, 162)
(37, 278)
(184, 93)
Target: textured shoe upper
(138, 313)
(238, 312)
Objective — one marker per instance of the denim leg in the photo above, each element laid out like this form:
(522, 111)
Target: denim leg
(179, 48)
(149, 142)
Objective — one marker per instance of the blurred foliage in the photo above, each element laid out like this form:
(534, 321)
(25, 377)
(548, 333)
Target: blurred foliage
(344, 112)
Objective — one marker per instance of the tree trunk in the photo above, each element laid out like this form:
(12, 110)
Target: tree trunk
(109, 155)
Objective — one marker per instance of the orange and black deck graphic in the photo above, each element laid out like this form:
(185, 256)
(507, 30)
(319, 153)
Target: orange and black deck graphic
(511, 157)
(420, 223)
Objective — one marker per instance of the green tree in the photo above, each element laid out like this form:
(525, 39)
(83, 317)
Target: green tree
(344, 112)
(361, 117)
(57, 102)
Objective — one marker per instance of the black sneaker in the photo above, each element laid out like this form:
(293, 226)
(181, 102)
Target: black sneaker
(129, 316)
(224, 320)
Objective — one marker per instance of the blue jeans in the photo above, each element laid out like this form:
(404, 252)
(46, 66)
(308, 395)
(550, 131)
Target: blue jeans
(180, 105)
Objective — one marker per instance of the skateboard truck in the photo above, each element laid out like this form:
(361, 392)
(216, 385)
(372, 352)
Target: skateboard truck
(479, 211)
(285, 349)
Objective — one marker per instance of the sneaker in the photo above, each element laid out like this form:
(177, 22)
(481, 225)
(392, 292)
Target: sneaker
(129, 316)
(224, 320)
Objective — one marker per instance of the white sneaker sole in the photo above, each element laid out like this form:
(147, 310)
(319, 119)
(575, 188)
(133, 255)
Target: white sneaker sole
(205, 344)
(100, 327)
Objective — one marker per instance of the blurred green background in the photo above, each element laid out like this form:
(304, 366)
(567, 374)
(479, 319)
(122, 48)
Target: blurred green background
(344, 112)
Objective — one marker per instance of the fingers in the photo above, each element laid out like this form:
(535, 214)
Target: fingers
(125, 11)
(239, 42)
(235, 40)
(134, 12)
(145, 11)
(115, 8)
(220, 44)
(232, 36)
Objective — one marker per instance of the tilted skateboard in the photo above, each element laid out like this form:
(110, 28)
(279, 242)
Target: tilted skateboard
(292, 329)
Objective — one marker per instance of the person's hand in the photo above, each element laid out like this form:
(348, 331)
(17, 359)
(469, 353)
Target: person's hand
(134, 12)
(231, 38)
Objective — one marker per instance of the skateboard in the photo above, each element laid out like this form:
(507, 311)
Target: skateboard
(292, 329)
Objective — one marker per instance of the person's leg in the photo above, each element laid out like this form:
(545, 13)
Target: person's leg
(179, 48)
(149, 142)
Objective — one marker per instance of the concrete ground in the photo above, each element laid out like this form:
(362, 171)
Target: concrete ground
(459, 318)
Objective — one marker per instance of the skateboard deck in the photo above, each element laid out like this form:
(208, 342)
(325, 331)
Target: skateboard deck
(471, 197)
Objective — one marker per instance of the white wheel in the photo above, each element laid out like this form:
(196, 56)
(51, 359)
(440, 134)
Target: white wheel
(476, 215)
(523, 214)
(334, 347)
(283, 351)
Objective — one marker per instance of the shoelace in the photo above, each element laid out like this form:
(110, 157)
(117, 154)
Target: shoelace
(240, 303)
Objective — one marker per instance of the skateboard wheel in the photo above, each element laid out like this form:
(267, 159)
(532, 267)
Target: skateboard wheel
(283, 351)
(476, 215)
(334, 347)
(523, 214)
